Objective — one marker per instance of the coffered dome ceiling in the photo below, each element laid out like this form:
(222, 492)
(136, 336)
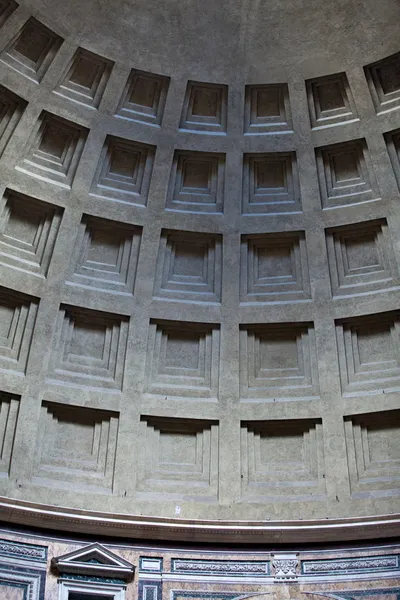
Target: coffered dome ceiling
(199, 268)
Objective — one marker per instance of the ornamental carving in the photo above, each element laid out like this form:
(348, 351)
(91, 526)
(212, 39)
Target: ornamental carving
(357, 564)
(23, 551)
(240, 568)
(285, 566)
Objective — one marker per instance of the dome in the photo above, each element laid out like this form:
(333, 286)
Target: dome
(199, 268)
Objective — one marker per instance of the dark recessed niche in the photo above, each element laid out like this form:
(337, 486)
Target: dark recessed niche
(144, 97)
(383, 79)
(267, 109)
(32, 50)
(205, 108)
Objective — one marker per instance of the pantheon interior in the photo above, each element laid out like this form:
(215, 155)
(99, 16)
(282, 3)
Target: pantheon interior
(199, 300)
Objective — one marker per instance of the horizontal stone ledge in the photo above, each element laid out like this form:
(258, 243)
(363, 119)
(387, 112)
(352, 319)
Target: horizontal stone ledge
(156, 528)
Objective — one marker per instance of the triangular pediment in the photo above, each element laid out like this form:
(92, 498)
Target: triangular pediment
(94, 560)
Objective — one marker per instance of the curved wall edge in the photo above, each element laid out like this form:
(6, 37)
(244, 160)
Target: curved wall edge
(249, 532)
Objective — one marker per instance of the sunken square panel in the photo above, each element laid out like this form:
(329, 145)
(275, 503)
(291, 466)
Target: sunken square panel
(28, 231)
(360, 258)
(373, 453)
(183, 359)
(205, 108)
(9, 408)
(124, 171)
(189, 267)
(282, 460)
(392, 139)
(106, 255)
(55, 150)
(89, 349)
(369, 353)
(346, 174)
(11, 110)
(7, 7)
(76, 445)
(330, 101)
(267, 109)
(32, 51)
(274, 268)
(144, 98)
(271, 183)
(197, 182)
(17, 321)
(179, 458)
(383, 79)
(86, 78)
(278, 361)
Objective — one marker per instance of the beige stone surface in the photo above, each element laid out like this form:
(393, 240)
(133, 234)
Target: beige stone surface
(11, 593)
(349, 572)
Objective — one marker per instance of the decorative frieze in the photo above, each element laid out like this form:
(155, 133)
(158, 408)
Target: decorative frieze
(350, 565)
(24, 551)
(220, 567)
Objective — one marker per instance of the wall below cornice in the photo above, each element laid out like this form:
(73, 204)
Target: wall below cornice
(49, 566)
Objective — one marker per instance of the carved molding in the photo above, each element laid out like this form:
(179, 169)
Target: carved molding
(65, 519)
(285, 566)
(23, 551)
(220, 567)
(32, 582)
(93, 561)
(352, 565)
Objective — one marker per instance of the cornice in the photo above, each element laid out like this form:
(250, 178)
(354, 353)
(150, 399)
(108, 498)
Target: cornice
(157, 528)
